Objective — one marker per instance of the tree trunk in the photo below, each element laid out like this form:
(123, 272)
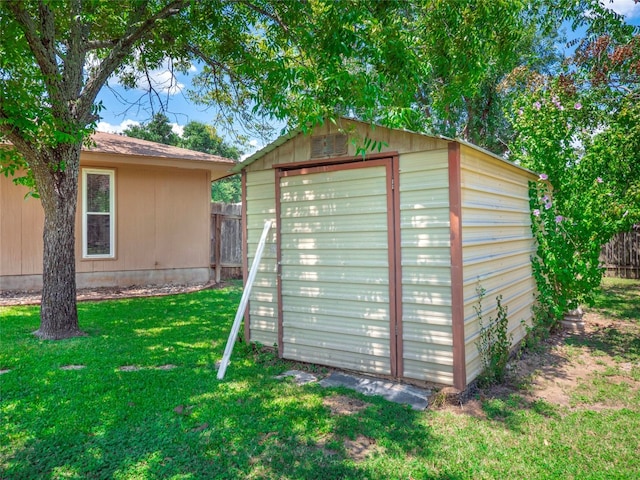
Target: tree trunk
(58, 188)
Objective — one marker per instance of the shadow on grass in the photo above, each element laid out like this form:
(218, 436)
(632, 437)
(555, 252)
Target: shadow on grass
(508, 403)
(101, 422)
(615, 341)
(246, 427)
(619, 299)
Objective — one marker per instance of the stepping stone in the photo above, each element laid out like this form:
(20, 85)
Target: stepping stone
(168, 366)
(401, 393)
(73, 367)
(129, 368)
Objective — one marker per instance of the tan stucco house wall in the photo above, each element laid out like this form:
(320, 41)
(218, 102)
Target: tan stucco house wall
(161, 215)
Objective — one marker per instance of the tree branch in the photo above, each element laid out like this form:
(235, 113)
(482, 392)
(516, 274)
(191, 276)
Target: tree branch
(213, 63)
(17, 140)
(262, 11)
(100, 44)
(121, 49)
(75, 56)
(43, 46)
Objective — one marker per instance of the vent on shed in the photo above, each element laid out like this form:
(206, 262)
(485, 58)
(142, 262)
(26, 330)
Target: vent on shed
(328, 145)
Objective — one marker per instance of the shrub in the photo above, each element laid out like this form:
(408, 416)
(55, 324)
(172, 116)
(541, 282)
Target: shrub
(494, 343)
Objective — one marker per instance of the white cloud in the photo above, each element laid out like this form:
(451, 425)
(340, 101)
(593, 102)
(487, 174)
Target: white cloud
(163, 81)
(628, 8)
(177, 129)
(110, 128)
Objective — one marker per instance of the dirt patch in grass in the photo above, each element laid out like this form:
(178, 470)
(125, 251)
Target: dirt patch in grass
(323, 446)
(360, 448)
(596, 369)
(12, 298)
(343, 405)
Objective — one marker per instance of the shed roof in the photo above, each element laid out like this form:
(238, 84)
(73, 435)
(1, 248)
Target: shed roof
(289, 135)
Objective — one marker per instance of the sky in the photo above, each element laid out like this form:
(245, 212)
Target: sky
(123, 108)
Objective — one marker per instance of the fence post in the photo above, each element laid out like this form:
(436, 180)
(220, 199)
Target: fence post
(218, 247)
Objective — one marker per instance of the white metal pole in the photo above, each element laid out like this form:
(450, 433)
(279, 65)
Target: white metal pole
(243, 301)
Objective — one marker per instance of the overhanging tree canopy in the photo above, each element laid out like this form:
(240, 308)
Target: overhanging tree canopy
(298, 61)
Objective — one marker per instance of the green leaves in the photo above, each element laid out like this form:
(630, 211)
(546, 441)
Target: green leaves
(306, 62)
(584, 202)
(157, 130)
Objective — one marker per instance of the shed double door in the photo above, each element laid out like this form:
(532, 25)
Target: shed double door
(337, 266)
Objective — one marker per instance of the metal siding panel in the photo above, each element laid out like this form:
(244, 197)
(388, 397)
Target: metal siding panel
(263, 311)
(335, 269)
(427, 314)
(349, 258)
(431, 354)
(426, 261)
(371, 324)
(324, 355)
(494, 248)
(429, 372)
(497, 245)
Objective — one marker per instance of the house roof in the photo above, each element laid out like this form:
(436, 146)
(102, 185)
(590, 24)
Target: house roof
(129, 150)
(289, 135)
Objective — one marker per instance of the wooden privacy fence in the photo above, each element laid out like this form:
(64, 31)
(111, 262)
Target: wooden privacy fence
(621, 256)
(226, 241)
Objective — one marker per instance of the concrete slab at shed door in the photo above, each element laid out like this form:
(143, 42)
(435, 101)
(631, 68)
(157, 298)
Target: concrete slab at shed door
(335, 269)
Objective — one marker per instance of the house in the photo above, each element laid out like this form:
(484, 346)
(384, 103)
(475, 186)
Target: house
(375, 262)
(143, 217)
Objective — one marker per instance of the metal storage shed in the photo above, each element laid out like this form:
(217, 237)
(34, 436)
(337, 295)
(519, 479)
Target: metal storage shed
(374, 262)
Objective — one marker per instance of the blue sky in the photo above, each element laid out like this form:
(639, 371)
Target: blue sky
(123, 108)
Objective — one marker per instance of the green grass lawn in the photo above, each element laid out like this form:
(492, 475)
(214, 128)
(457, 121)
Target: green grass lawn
(180, 422)
(620, 299)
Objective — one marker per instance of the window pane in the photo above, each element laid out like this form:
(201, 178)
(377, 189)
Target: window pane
(98, 234)
(97, 193)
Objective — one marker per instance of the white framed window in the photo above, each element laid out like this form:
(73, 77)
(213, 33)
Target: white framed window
(98, 213)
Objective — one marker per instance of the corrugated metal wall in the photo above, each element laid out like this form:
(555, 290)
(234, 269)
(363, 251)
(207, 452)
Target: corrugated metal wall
(263, 303)
(336, 302)
(497, 245)
(335, 268)
(426, 262)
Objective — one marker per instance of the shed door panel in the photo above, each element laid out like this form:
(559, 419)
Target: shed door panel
(335, 267)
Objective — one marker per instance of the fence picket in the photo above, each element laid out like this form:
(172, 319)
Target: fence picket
(621, 256)
(226, 241)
